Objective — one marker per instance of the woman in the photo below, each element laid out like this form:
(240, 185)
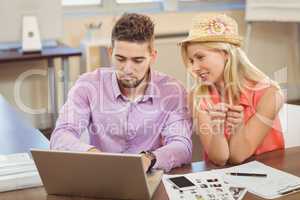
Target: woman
(235, 105)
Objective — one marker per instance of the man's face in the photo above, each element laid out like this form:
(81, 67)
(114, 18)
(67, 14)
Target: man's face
(132, 61)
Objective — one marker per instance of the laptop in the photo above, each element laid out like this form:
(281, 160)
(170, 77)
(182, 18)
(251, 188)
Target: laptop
(100, 175)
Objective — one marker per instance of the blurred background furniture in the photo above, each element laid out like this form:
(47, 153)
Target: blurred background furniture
(49, 54)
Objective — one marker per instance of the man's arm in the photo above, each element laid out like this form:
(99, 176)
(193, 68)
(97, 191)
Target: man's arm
(73, 120)
(177, 148)
(176, 135)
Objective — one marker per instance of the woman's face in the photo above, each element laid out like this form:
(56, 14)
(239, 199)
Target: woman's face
(206, 64)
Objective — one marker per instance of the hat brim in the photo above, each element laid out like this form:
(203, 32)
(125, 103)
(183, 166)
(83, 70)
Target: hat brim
(236, 40)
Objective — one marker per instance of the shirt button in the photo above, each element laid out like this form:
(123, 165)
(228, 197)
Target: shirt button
(131, 134)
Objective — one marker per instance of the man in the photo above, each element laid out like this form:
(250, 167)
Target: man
(129, 108)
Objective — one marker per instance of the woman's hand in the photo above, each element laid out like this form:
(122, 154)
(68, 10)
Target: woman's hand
(211, 122)
(234, 118)
(217, 114)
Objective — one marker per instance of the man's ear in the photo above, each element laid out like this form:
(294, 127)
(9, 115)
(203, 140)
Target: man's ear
(110, 51)
(153, 56)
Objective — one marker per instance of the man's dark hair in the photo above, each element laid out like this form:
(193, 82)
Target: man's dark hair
(132, 27)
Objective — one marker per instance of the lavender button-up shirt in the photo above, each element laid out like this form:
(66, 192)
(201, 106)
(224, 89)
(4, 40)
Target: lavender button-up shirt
(158, 121)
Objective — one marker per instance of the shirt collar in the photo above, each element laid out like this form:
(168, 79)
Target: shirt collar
(115, 86)
(150, 90)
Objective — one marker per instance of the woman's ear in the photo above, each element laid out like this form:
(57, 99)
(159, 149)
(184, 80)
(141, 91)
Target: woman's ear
(225, 55)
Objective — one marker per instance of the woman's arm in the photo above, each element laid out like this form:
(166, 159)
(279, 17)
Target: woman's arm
(247, 137)
(210, 128)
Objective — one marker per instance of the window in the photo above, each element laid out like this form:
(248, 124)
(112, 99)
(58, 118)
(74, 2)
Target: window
(80, 2)
(211, 1)
(137, 1)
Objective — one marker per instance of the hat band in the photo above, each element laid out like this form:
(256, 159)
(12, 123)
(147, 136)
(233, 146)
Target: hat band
(236, 40)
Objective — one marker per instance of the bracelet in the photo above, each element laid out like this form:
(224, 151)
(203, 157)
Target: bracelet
(152, 157)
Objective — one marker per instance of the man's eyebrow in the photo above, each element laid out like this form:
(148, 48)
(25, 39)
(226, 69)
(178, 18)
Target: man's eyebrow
(118, 55)
(135, 58)
(139, 57)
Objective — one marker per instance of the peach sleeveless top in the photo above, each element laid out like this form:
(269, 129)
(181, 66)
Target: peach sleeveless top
(249, 100)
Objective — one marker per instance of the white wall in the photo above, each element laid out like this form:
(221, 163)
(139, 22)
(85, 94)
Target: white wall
(271, 49)
(289, 117)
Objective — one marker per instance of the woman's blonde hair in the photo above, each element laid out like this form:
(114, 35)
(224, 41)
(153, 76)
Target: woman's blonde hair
(239, 73)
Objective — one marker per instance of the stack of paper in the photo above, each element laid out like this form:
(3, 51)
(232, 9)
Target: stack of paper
(255, 177)
(275, 184)
(18, 171)
(201, 186)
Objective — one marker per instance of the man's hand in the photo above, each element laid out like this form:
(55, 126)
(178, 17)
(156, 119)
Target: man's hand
(146, 162)
(93, 150)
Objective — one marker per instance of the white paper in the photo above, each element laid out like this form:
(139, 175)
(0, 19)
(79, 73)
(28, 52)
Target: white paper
(267, 187)
(204, 190)
(18, 171)
(14, 158)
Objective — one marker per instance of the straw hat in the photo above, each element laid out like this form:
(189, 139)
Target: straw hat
(213, 28)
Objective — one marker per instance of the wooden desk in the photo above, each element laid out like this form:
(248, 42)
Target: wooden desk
(286, 160)
(48, 54)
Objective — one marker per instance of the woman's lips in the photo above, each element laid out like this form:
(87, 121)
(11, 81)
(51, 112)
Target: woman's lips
(204, 76)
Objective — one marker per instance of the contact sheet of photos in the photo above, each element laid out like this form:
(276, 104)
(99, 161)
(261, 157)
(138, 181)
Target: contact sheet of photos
(201, 186)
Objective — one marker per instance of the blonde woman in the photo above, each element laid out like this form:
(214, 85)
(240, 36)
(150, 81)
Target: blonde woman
(235, 105)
